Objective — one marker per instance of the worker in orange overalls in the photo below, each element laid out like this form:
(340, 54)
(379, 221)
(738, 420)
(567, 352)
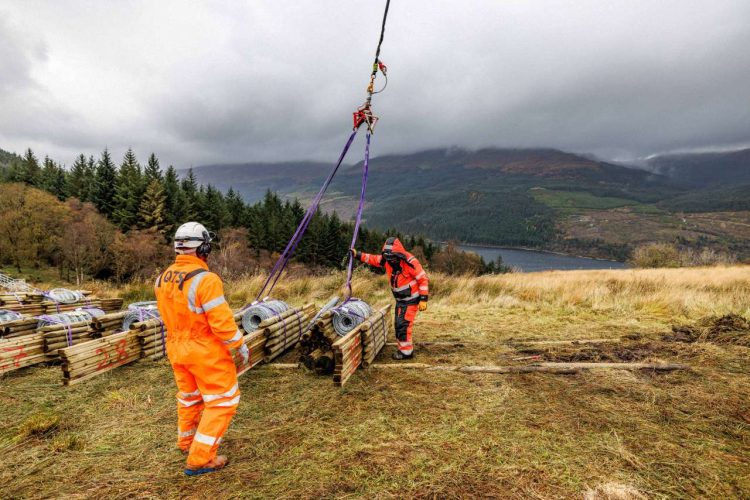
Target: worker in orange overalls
(200, 334)
(409, 285)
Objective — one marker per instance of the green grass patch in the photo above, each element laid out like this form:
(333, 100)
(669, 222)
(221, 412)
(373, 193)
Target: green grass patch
(570, 201)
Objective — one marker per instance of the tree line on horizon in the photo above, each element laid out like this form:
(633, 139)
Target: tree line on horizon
(145, 203)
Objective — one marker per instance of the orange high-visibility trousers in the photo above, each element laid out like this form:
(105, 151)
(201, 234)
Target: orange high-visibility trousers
(207, 396)
(405, 316)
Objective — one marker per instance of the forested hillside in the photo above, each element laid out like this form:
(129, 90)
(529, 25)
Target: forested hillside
(98, 219)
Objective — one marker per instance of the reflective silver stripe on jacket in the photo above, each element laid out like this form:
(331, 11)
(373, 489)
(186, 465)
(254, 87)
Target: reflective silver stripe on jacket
(213, 303)
(405, 287)
(237, 336)
(193, 291)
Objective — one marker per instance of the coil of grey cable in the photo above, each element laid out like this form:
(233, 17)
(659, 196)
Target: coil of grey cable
(65, 296)
(6, 315)
(139, 311)
(256, 313)
(347, 316)
(66, 318)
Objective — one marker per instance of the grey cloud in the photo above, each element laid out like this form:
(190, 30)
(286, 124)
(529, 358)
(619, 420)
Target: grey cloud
(206, 82)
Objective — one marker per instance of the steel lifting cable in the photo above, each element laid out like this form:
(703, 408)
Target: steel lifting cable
(286, 255)
(363, 115)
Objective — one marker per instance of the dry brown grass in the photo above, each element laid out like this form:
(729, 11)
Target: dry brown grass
(600, 434)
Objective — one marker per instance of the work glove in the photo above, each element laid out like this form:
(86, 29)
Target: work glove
(354, 253)
(243, 355)
(423, 306)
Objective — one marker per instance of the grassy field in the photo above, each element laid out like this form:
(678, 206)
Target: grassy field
(414, 433)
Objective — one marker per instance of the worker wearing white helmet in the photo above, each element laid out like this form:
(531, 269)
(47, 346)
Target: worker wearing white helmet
(201, 333)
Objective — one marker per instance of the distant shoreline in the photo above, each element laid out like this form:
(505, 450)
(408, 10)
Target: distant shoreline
(529, 249)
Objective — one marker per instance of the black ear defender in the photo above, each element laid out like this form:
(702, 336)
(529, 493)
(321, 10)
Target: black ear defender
(205, 247)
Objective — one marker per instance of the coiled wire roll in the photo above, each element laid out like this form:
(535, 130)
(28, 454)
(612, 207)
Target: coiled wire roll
(66, 318)
(65, 296)
(6, 315)
(350, 314)
(256, 313)
(139, 311)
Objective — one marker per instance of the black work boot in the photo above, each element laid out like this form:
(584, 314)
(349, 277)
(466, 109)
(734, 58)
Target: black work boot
(399, 356)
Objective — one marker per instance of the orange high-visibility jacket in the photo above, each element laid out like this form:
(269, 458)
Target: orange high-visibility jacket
(409, 282)
(192, 304)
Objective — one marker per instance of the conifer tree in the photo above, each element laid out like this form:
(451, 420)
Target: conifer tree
(13, 172)
(235, 208)
(152, 213)
(48, 175)
(189, 187)
(214, 213)
(128, 192)
(105, 179)
(60, 183)
(30, 171)
(152, 170)
(175, 200)
(78, 182)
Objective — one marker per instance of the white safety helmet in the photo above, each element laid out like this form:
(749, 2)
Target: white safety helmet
(193, 235)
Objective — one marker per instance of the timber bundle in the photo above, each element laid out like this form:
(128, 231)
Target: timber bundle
(89, 359)
(36, 303)
(147, 339)
(21, 352)
(114, 348)
(25, 325)
(29, 341)
(152, 337)
(274, 335)
(324, 351)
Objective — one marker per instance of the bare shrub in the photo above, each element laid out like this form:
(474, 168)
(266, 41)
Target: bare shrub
(139, 254)
(666, 255)
(451, 260)
(656, 255)
(86, 241)
(233, 257)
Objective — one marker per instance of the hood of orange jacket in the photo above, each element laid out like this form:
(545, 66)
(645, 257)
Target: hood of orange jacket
(394, 247)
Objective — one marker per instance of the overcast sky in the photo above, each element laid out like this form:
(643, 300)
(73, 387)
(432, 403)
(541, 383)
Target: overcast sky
(229, 81)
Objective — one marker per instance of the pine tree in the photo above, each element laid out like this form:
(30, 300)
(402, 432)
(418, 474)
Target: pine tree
(334, 246)
(176, 201)
(189, 187)
(48, 175)
(53, 179)
(60, 183)
(128, 192)
(152, 170)
(214, 214)
(30, 171)
(105, 178)
(78, 183)
(13, 173)
(152, 213)
(235, 208)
